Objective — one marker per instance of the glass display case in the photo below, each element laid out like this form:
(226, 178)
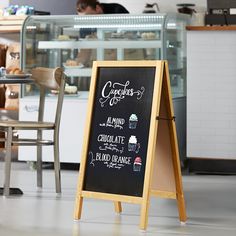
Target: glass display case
(74, 42)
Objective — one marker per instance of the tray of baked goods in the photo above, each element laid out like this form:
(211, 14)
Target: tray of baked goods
(72, 64)
(64, 37)
(149, 36)
(14, 76)
(16, 73)
(70, 90)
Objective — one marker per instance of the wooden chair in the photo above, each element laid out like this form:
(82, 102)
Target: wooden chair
(46, 78)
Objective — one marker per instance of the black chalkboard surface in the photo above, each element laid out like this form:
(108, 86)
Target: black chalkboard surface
(118, 140)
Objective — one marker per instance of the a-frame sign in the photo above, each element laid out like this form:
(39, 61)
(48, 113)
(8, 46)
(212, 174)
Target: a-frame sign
(130, 149)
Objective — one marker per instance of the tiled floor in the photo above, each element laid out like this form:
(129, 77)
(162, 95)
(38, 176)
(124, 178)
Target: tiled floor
(210, 202)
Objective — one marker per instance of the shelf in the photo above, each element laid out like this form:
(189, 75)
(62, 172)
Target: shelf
(82, 95)
(94, 44)
(11, 24)
(12, 18)
(78, 72)
(10, 29)
(8, 109)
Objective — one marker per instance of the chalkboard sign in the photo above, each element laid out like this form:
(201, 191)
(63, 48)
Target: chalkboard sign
(122, 145)
(119, 132)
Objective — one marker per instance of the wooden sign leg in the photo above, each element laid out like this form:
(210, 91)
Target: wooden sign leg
(118, 207)
(144, 214)
(174, 145)
(166, 175)
(177, 173)
(181, 208)
(78, 208)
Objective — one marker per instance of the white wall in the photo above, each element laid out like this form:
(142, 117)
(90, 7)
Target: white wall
(3, 3)
(164, 5)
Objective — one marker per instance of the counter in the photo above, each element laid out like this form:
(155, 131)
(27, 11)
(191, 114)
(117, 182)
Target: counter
(211, 28)
(211, 96)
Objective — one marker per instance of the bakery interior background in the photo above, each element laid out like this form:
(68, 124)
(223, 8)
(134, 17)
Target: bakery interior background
(66, 7)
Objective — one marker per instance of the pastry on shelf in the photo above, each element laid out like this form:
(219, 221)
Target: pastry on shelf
(148, 35)
(70, 62)
(63, 37)
(69, 89)
(14, 71)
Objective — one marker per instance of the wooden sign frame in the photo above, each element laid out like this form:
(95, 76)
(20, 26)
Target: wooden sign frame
(162, 172)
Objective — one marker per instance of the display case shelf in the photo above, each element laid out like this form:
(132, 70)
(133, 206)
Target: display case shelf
(86, 72)
(94, 44)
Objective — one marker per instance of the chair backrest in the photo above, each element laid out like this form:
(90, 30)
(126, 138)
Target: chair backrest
(49, 78)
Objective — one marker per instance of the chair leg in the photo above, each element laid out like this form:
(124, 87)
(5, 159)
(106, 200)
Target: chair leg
(39, 163)
(6, 190)
(57, 164)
